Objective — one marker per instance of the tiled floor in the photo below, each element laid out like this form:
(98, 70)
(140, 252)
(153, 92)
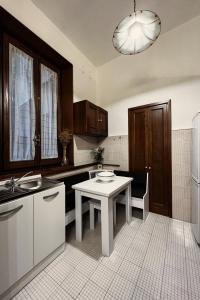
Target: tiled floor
(158, 259)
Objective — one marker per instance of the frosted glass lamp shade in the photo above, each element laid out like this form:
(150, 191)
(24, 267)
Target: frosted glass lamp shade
(136, 32)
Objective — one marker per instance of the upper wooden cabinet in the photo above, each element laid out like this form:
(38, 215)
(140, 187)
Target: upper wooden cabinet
(89, 119)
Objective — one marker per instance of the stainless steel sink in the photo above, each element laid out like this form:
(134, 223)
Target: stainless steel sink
(30, 185)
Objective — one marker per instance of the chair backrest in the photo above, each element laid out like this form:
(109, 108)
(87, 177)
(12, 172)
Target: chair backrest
(140, 181)
(74, 179)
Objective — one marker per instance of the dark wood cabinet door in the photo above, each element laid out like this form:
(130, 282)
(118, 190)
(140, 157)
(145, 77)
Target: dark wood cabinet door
(137, 139)
(92, 118)
(150, 150)
(158, 162)
(102, 122)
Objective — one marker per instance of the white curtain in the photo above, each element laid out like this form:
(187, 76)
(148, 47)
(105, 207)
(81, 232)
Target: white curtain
(21, 105)
(49, 95)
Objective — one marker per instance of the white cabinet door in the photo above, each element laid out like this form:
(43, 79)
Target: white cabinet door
(49, 222)
(16, 240)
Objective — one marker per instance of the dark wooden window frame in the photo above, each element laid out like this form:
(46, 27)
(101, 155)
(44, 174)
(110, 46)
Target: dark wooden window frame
(44, 162)
(33, 45)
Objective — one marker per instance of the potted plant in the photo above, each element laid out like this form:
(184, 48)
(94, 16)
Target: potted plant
(97, 155)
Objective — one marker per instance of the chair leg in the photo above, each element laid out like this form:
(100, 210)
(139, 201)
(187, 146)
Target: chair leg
(114, 213)
(99, 216)
(91, 217)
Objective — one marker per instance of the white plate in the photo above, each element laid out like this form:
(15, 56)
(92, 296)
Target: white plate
(105, 174)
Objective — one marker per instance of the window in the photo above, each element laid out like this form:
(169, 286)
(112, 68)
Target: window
(21, 105)
(33, 101)
(49, 98)
(36, 100)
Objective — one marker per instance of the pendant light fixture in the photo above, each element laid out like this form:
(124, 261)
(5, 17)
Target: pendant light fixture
(136, 32)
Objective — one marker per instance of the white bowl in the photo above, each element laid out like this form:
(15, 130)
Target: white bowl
(105, 176)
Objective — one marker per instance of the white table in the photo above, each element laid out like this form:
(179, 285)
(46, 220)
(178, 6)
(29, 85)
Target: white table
(104, 192)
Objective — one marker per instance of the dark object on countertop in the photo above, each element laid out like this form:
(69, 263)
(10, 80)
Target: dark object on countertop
(69, 192)
(138, 185)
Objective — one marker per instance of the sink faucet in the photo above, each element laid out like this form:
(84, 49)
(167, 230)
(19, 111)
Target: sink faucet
(12, 182)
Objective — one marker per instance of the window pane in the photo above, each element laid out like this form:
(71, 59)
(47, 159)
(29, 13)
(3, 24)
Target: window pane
(49, 95)
(21, 105)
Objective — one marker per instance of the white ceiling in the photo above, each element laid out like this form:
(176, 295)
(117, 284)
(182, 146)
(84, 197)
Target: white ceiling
(89, 24)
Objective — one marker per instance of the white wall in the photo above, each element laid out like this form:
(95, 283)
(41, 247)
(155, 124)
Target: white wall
(185, 98)
(84, 71)
(168, 70)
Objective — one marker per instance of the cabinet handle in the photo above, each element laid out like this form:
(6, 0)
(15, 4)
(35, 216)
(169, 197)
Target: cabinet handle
(146, 167)
(49, 197)
(9, 213)
(149, 168)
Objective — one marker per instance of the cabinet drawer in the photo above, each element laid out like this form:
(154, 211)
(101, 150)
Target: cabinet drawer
(49, 222)
(16, 241)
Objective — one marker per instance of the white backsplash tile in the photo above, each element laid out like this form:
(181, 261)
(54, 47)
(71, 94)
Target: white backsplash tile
(116, 152)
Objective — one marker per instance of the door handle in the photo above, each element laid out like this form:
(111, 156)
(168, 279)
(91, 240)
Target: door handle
(49, 197)
(9, 213)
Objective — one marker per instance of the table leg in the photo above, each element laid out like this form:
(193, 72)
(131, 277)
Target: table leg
(128, 203)
(78, 215)
(107, 226)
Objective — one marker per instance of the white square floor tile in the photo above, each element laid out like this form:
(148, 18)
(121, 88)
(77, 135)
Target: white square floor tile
(73, 256)
(87, 266)
(175, 260)
(129, 231)
(175, 276)
(60, 271)
(163, 219)
(91, 291)
(129, 271)
(41, 287)
(150, 282)
(60, 294)
(22, 295)
(172, 292)
(193, 277)
(136, 256)
(103, 277)
(122, 239)
(74, 283)
(121, 288)
(108, 297)
(120, 249)
(112, 262)
(141, 294)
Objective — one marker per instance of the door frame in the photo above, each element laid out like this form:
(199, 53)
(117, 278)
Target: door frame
(169, 145)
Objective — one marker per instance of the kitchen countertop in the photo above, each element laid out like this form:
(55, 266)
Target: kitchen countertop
(6, 195)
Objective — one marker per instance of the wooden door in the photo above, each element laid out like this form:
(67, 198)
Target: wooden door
(150, 149)
(137, 139)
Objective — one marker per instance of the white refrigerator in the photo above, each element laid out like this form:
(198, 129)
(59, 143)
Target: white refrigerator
(196, 177)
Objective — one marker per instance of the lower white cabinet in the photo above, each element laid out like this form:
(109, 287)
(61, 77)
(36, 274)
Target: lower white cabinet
(16, 240)
(49, 222)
